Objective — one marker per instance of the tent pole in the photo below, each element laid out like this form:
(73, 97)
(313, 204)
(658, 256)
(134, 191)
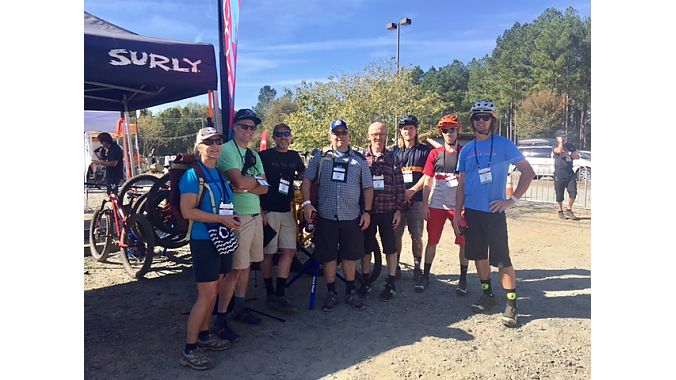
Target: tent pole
(126, 125)
(217, 112)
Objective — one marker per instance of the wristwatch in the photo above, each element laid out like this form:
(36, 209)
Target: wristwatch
(367, 212)
(306, 203)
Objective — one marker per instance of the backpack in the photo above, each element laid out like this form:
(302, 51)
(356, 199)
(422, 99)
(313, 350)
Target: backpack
(182, 163)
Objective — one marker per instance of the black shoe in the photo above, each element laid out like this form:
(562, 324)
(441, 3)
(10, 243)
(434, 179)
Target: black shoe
(354, 300)
(244, 316)
(364, 290)
(509, 316)
(330, 302)
(284, 305)
(224, 332)
(417, 278)
(484, 303)
(388, 292)
(397, 275)
(422, 284)
(461, 290)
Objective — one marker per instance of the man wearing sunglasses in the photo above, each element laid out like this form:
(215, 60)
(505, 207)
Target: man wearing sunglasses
(339, 228)
(411, 156)
(281, 165)
(245, 172)
(484, 166)
(441, 184)
(564, 176)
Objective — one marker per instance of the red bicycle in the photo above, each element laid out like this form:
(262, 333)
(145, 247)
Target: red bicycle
(114, 227)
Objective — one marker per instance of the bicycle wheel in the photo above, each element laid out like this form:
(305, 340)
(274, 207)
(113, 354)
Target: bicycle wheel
(376, 264)
(101, 230)
(134, 188)
(138, 245)
(162, 214)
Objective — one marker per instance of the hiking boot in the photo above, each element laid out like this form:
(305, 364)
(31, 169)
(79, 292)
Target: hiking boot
(364, 290)
(224, 332)
(213, 343)
(241, 314)
(388, 292)
(569, 214)
(484, 303)
(284, 305)
(509, 316)
(196, 360)
(354, 300)
(562, 216)
(422, 284)
(461, 290)
(330, 301)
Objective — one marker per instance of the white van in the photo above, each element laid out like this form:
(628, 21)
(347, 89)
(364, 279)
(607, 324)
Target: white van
(541, 158)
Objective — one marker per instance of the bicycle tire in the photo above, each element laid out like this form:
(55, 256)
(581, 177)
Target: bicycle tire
(138, 185)
(139, 237)
(159, 213)
(100, 233)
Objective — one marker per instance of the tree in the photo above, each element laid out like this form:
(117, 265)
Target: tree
(540, 114)
(279, 112)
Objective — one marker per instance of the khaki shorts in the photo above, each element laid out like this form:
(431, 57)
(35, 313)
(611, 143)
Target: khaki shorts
(285, 225)
(250, 235)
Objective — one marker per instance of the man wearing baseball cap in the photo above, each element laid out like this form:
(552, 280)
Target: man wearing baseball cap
(564, 176)
(343, 175)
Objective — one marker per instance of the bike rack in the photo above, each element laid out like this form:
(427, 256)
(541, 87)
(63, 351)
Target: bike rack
(315, 266)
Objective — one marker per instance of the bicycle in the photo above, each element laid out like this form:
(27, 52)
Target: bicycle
(113, 226)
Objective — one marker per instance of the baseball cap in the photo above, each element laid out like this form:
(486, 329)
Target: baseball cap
(408, 120)
(337, 123)
(246, 113)
(560, 133)
(205, 133)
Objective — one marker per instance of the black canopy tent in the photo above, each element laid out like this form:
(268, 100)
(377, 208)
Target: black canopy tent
(124, 71)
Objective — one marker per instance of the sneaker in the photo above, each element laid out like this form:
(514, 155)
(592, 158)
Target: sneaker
(397, 274)
(330, 301)
(388, 292)
(354, 300)
(509, 316)
(271, 301)
(562, 216)
(422, 284)
(224, 332)
(284, 305)
(364, 290)
(484, 303)
(569, 214)
(241, 314)
(417, 273)
(213, 343)
(196, 360)
(461, 290)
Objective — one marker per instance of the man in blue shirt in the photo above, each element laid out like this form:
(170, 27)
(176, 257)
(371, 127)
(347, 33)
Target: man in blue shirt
(484, 165)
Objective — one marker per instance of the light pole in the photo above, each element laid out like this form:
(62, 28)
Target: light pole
(393, 25)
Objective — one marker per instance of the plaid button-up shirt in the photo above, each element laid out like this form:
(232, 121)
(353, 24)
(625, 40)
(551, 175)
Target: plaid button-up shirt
(391, 198)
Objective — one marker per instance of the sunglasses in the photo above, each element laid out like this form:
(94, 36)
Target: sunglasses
(210, 142)
(283, 134)
(484, 117)
(448, 130)
(339, 133)
(245, 127)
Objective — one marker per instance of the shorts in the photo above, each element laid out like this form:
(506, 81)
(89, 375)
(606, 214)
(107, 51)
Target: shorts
(285, 225)
(329, 235)
(414, 219)
(566, 181)
(250, 235)
(487, 232)
(206, 262)
(435, 225)
(383, 222)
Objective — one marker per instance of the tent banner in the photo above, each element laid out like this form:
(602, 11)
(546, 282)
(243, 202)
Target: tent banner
(229, 38)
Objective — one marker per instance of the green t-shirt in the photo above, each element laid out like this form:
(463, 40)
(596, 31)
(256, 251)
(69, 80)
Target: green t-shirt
(232, 157)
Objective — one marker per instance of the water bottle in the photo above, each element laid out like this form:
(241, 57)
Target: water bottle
(310, 225)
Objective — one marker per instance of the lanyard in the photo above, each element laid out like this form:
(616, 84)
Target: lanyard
(223, 189)
(457, 154)
(490, 156)
(243, 158)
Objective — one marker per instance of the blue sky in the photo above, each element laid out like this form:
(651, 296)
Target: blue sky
(284, 42)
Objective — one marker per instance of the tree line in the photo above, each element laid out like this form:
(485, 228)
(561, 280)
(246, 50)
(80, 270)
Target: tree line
(538, 75)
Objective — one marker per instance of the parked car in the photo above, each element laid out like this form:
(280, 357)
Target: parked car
(541, 158)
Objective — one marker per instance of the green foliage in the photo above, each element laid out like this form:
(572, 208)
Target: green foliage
(376, 94)
(265, 97)
(540, 114)
(278, 112)
(172, 130)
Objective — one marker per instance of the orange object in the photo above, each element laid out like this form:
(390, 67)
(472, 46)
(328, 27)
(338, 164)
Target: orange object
(509, 190)
(119, 126)
(449, 121)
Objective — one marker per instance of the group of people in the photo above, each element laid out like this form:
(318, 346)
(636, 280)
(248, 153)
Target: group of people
(358, 194)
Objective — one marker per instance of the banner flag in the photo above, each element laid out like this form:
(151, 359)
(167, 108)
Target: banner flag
(228, 21)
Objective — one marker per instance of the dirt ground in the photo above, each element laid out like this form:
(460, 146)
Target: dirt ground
(136, 329)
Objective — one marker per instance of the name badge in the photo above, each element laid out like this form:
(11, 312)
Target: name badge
(485, 176)
(408, 176)
(284, 186)
(568, 159)
(452, 181)
(339, 173)
(378, 182)
(261, 181)
(226, 209)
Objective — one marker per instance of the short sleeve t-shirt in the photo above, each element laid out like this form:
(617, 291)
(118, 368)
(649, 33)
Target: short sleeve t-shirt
(189, 183)
(564, 165)
(495, 153)
(412, 162)
(441, 166)
(278, 166)
(114, 173)
(233, 157)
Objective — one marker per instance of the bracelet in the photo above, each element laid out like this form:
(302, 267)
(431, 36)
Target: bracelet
(367, 212)
(306, 203)
(514, 198)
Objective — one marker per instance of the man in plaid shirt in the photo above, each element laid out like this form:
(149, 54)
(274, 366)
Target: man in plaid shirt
(388, 204)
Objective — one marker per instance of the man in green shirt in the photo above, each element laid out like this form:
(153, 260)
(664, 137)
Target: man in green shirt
(244, 170)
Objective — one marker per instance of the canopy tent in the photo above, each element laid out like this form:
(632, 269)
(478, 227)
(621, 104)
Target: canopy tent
(124, 71)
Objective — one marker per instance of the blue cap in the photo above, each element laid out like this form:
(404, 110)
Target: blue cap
(338, 123)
